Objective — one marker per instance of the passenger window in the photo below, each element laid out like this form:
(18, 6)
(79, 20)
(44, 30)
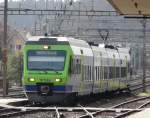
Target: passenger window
(76, 66)
(81, 51)
(70, 65)
(83, 72)
(90, 73)
(105, 72)
(96, 72)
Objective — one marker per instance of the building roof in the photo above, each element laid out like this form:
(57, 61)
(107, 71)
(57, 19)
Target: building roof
(131, 7)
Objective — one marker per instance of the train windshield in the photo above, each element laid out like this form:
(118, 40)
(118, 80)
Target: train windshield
(46, 60)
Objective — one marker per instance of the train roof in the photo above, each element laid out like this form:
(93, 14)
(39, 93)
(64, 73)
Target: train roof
(103, 47)
(72, 41)
(37, 38)
(56, 40)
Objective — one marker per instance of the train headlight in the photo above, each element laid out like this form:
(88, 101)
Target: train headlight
(46, 47)
(31, 79)
(58, 80)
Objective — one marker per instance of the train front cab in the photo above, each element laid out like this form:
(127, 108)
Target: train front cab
(46, 72)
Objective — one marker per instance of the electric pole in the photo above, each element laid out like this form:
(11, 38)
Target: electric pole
(5, 90)
(144, 38)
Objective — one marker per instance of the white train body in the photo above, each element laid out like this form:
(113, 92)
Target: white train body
(88, 69)
(102, 69)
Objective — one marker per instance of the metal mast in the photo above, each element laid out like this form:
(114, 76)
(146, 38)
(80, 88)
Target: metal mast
(5, 92)
(144, 38)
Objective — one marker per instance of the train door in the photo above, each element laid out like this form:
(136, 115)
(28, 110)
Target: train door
(86, 72)
(74, 72)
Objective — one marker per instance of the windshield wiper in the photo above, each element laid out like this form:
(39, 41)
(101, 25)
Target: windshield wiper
(52, 69)
(45, 70)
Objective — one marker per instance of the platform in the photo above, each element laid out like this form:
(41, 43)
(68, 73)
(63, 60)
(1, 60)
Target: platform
(142, 114)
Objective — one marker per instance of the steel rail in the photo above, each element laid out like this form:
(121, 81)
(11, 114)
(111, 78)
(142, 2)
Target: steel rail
(87, 112)
(95, 110)
(143, 105)
(130, 112)
(57, 113)
(116, 106)
(130, 101)
(124, 114)
(14, 111)
(108, 110)
(139, 86)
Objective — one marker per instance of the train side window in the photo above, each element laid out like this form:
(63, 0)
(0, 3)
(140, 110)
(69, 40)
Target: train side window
(90, 72)
(70, 65)
(76, 66)
(81, 51)
(86, 70)
(117, 72)
(105, 72)
(110, 73)
(113, 72)
(83, 72)
(86, 73)
(101, 72)
(128, 67)
(123, 72)
(98, 73)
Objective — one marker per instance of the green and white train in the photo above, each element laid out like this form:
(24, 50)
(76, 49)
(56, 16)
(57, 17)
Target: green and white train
(57, 68)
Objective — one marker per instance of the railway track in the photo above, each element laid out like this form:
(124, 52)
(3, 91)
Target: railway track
(142, 102)
(139, 86)
(117, 111)
(59, 112)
